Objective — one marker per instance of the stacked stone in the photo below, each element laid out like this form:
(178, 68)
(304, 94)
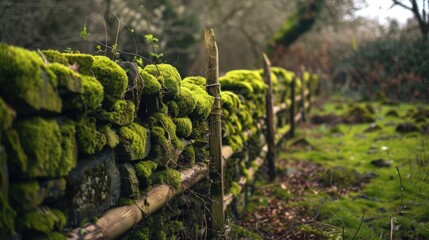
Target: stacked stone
(80, 133)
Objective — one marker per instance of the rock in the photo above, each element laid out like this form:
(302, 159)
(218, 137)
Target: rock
(392, 113)
(92, 187)
(135, 83)
(359, 114)
(341, 176)
(129, 181)
(407, 128)
(381, 163)
(329, 119)
(372, 128)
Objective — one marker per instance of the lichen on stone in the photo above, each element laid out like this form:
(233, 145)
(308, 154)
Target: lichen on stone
(27, 83)
(112, 77)
(168, 77)
(133, 140)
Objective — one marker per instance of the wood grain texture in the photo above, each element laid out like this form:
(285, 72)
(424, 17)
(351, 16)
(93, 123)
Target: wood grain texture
(269, 121)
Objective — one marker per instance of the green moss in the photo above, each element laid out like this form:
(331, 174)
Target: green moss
(168, 176)
(162, 150)
(112, 139)
(204, 101)
(238, 232)
(52, 236)
(160, 119)
(187, 157)
(69, 147)
(112, 77)
(7, 115)
(68, 80)
(26, 195)
(168, 77)
(134, 140)
(151, 85)
(7, 217)
(144, 169)
(235, 142)
(173, 109)
(195, 80)
(16, 156)
(183, 127)
(235, 189)
(89, 139)
(141, 234)
(124, 202)
(42, 220)
(186, 102)
(26, 82)
(54, 56)
(91, 98)
(83, 62)
(121, 113)
(43, 142)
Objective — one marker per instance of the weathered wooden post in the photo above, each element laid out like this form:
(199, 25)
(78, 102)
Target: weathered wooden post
(303, 98)
(292, 108)
(215, 131)
(269, 121)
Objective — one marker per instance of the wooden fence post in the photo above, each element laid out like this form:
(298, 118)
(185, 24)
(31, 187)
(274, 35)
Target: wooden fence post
(292, 108)
(269, 121)
(215, 134)
(303, 110)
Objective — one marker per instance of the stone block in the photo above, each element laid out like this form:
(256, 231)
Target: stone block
(129, 181)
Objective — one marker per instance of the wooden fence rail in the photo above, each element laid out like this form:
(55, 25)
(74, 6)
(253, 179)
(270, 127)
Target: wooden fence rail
(116, 221)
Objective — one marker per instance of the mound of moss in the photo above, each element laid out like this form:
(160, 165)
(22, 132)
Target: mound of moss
(168, 77)
(7, 217)
(144, 169)
(121, 113)
(26, 82)
(162, 151)
(112, 77)
(359, 114)
(54, 56)
(89, 139)
(133, 142)
(204, 101)
(112, 138)
(80, 61)
(164, 121)
(151, 86)
(183, 127)
(69, 81)
(187, 157)
(51, 149)
(90, 99)
(168, 176)
(186, 102)
(7, 115)
(41, 220)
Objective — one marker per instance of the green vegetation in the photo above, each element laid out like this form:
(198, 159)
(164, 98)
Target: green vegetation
(168, 176)
(89, 139)
(133, 140)
(168, 77)
(43, 220)
(90, 99)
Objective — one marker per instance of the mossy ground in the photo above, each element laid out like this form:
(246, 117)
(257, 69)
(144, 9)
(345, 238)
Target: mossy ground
(384, 201)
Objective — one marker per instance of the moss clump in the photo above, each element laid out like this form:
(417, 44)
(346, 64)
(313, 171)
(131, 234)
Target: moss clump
(160, 119)
(54, 56)
(121, 113)
(112, 77)
(7, 115)
(204, 101)
(168, 176)
(168, 77)
(392, 113)
(68, 80)
(89, 139)
(235, 189)
(52, 236)
(91, 98)
(358, 114)
(133, 139)
(16, 157)
(151, 85)
(144, 169)
(7, 217)
(341, 176)
(187, 157)
(238, 232)
(162, 150)
(43, 220)
(124, 202)
(26, 82)
(111, 137)
(26, 195)
(173, 109)
(186, 101)
(50, 150)
(141, 234)
(83, 62)
(195, 80)
(183, 127)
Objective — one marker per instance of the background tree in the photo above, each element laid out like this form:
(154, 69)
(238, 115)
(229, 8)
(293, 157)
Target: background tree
(420, 11)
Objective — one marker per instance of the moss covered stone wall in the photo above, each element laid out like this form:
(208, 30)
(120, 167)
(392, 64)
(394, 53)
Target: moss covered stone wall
(81, 134)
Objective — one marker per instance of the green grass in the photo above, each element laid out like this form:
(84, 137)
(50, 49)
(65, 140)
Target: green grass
(387, 200)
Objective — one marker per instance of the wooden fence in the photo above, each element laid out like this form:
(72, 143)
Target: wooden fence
(280, 122)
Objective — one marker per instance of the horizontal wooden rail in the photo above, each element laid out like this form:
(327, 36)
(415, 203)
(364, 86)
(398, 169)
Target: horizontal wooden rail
(116, 221)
